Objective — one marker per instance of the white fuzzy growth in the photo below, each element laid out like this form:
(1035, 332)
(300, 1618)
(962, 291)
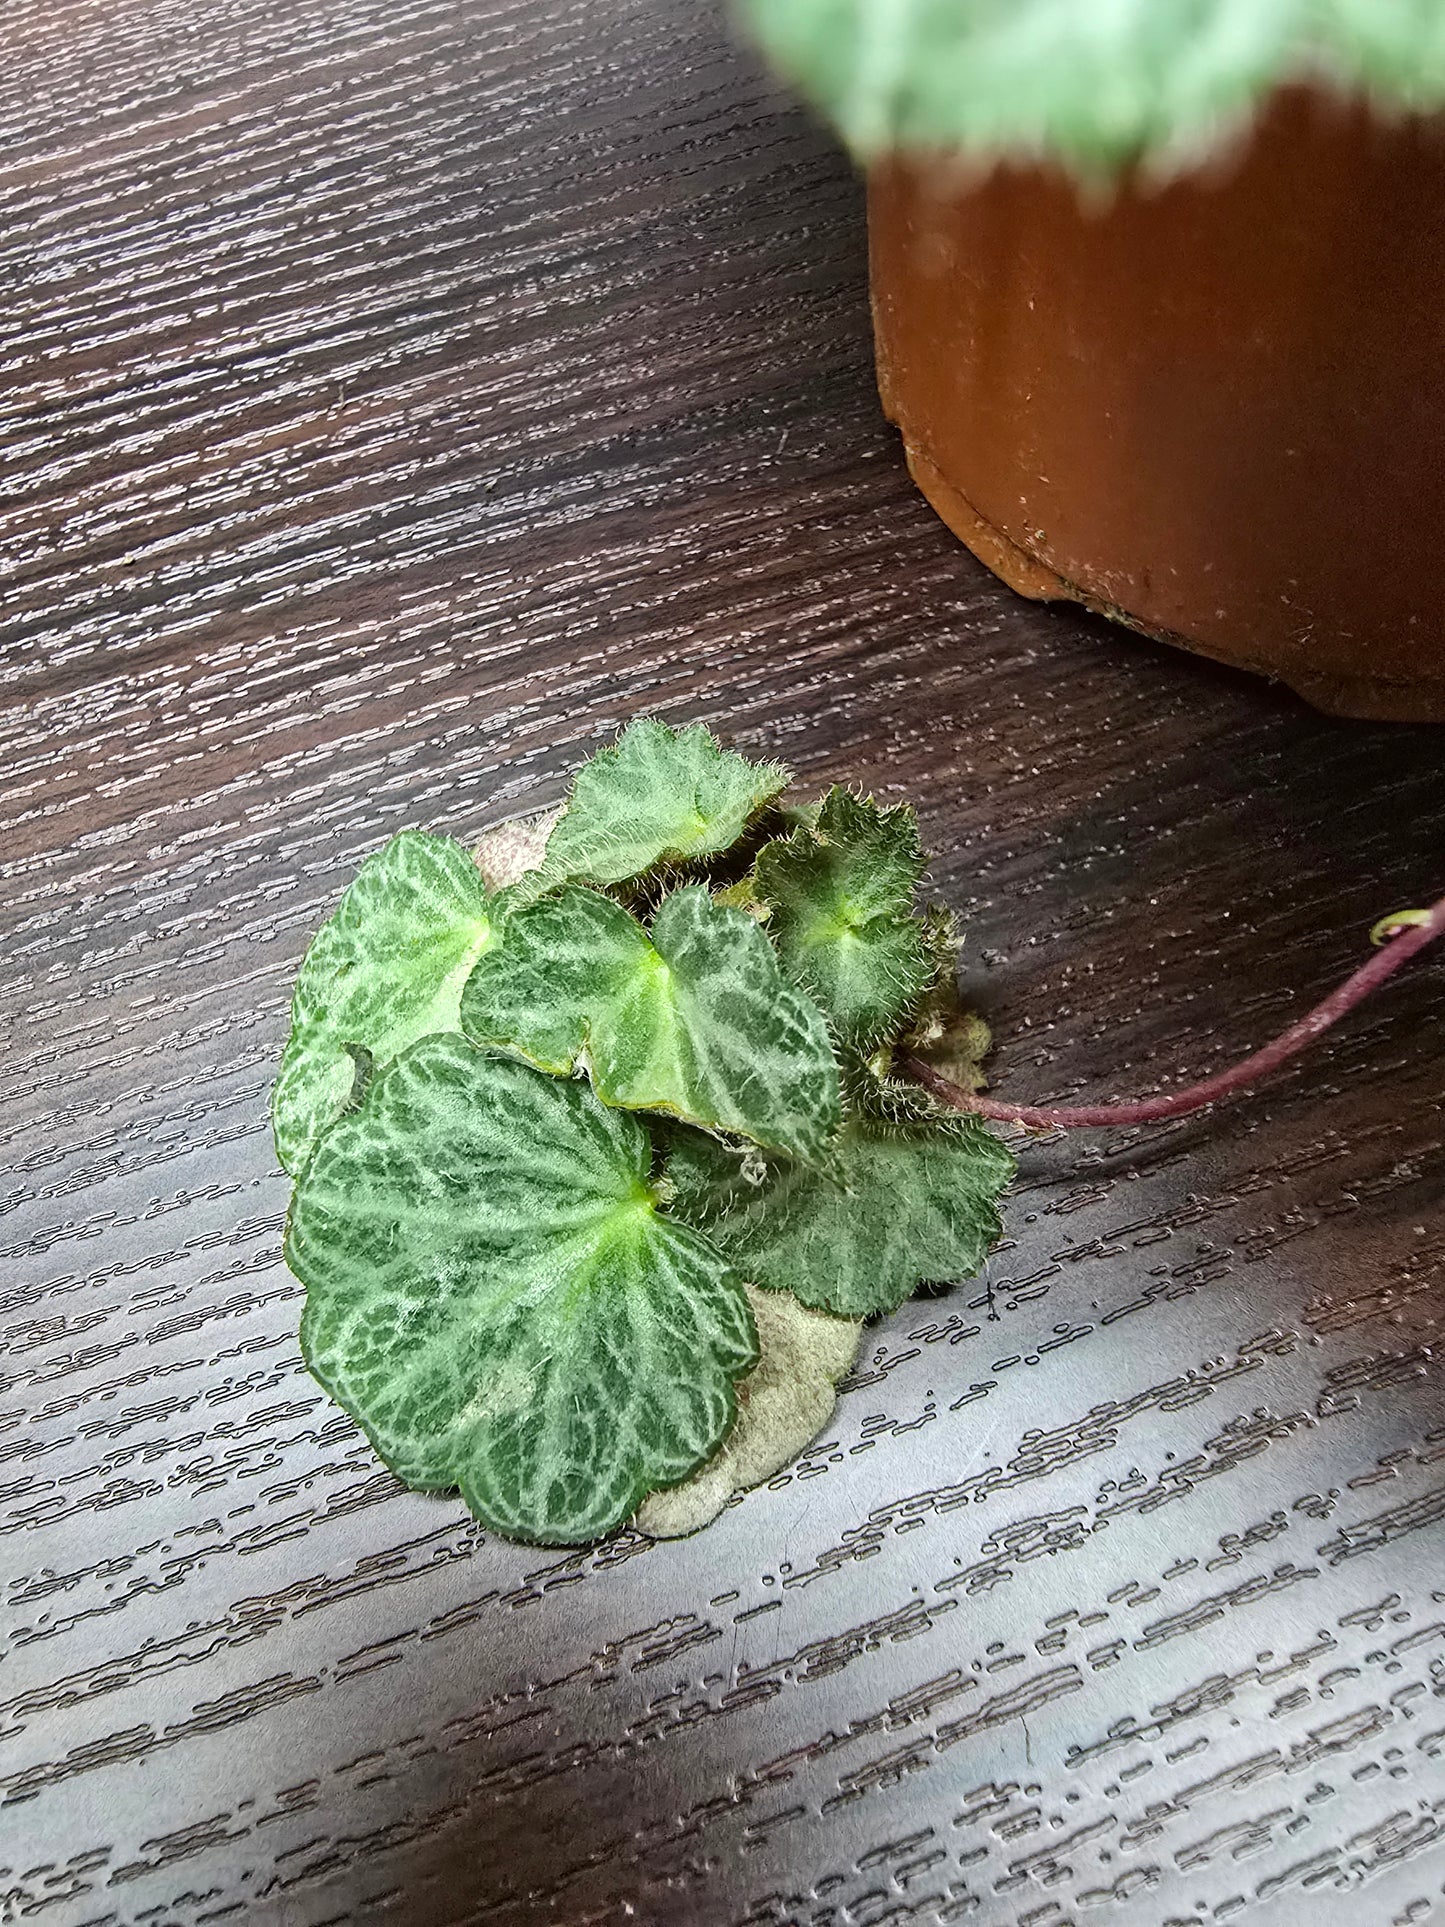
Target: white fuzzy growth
(783, 1404)
(513, 850)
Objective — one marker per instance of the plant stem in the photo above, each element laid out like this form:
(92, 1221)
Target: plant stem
(1411, 933)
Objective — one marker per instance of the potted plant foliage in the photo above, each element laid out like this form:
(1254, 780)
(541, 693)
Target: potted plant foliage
(1159, 301)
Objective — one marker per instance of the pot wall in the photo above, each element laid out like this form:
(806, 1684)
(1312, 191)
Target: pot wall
(1214, 408)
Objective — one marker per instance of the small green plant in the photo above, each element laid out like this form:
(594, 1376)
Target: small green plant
(1092, 83)
(600, 1149)
(609, 1134)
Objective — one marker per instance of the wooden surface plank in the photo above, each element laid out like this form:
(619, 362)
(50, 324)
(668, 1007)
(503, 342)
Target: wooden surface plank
(395, 399)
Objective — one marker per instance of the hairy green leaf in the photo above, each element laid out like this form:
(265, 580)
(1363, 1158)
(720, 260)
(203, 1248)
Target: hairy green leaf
(783, 1404)
(493, 1294)
(696, 1020)
(913, 1201)
(840, 900)
(659, 795)
(387, 968)
(1092, 84)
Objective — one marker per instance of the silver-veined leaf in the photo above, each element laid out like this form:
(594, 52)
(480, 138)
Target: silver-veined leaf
(840, 910)
(694, 1019)
(493, 1294)
(658, 795)
(387, 968)
(908, 1202)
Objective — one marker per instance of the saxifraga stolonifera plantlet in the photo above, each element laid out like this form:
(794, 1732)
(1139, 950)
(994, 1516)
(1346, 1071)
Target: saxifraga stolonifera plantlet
(609, 1134)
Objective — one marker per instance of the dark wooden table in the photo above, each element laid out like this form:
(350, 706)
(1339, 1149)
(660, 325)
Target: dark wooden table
(397, 395)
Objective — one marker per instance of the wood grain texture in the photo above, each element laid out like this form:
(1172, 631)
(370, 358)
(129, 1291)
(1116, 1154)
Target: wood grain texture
(395, 398)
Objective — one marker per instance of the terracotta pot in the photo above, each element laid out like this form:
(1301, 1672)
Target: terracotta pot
(1213, 409)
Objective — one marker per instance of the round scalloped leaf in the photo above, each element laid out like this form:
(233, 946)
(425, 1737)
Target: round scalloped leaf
(840, 910)
(387, 968)
(493, 1295)
(659, 795)
(1094, 83)
(912, 1202)
(697, 1020)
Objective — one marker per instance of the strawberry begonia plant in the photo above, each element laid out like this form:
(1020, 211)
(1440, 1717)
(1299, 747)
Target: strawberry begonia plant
(609, 1134)
(576, 1118)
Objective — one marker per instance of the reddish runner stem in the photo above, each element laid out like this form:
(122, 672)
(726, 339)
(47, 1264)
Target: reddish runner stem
(1409, 934)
